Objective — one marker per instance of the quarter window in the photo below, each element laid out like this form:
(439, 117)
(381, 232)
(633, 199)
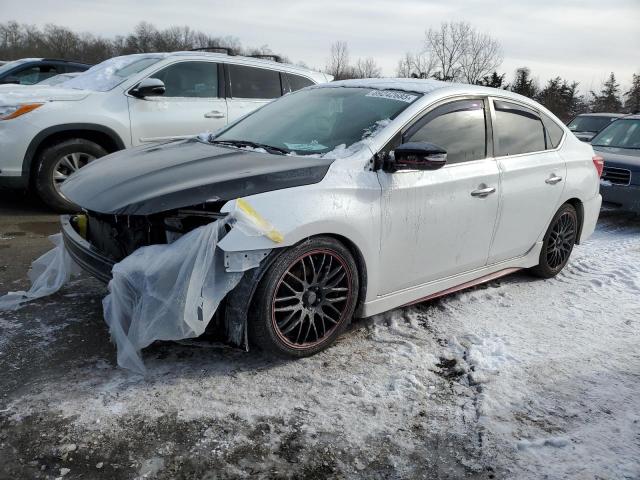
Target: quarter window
(517, 129)
(458, 127)
(190, 79)
(295, 82)
(252, 82)
(553, 130)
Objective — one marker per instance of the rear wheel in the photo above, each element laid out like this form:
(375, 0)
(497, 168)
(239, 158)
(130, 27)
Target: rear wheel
(56, 163)
(306, 299)
(558, 242)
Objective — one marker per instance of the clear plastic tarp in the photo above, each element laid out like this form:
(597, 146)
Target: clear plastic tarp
(159, 292)
(47, 275)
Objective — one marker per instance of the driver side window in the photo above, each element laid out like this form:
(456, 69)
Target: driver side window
(459, 127)
(190, 79)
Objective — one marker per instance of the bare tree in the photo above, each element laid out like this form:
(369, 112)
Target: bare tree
(338, 63)
(447, 45)
(367, 68)
(482, 55)
(461, 53)
(416, 66)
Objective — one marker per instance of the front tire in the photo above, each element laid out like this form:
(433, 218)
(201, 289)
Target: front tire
(558, 242)
(56, 163)
(305, 300)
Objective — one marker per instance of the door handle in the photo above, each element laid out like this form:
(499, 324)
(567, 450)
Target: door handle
(553, 180)
(483, 192)
(214, 114)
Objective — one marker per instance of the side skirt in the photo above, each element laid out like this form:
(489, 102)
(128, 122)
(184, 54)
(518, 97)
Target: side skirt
(450, 284)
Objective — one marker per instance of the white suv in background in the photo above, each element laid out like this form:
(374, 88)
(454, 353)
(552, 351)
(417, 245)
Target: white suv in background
(48, 133)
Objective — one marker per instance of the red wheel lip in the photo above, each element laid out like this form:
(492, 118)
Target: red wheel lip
(274, 324)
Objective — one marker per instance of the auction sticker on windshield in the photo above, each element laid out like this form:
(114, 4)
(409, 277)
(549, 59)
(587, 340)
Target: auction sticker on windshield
(393, 95)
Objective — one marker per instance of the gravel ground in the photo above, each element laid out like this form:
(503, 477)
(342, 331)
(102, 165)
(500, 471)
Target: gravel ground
(520, 378)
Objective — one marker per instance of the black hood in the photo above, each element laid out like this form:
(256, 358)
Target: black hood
(153, 179)
(628, 158)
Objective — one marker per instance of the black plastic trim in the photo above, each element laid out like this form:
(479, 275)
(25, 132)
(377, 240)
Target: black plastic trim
(81, 251)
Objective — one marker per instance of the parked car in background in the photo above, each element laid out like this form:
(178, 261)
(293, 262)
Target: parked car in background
(425, 188)
(587, 125)
(59, 79)
(30, 71)
(619, 145)
(46, 134)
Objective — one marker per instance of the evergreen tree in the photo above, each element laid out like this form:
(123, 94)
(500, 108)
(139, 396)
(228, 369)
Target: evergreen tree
(562, 98)
(494, 80)
(609, 98)
(632, 103)
(524, 84)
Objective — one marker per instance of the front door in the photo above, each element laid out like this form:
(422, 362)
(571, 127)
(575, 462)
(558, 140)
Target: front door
(440, 223)
(190, 105)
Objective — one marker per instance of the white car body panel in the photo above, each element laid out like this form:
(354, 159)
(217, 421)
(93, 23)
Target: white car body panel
(421, 234)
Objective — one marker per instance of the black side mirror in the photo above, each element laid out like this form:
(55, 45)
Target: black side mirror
(418, 156)
(10, 80)
(148, 87)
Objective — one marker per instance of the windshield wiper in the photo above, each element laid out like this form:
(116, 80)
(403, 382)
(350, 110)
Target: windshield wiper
(246, 143)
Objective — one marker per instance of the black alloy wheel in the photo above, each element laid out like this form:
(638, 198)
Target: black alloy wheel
(306, 299)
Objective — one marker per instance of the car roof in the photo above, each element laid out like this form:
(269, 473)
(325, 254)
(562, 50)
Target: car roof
(248, 61)
(427, 86)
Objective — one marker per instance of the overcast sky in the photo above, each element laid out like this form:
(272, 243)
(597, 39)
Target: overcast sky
(580, 40)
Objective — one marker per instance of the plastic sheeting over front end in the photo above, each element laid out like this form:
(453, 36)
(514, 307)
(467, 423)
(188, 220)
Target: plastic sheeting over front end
(47, 275)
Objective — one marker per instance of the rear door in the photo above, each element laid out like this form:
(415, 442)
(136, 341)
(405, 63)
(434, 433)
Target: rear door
(250, 88)
(440, 223)
(192, 103)
(532, 172)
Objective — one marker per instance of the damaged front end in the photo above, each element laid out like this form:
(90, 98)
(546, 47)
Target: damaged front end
(167, 277)
(97, 241)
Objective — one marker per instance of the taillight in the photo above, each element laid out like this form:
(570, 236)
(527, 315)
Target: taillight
(598, 162)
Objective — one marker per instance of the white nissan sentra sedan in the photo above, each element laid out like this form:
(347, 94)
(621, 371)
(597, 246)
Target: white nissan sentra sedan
(383, 193)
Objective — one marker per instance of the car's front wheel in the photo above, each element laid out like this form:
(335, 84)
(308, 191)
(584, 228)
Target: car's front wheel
(56, 163)
(558, 242)
(306, 299)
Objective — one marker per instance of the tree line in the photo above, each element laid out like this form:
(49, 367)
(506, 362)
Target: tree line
(55, 41)
(454, 51)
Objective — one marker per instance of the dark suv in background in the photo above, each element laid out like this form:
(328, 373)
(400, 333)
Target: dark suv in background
(619, 145)
(29, 71)
(588, 125)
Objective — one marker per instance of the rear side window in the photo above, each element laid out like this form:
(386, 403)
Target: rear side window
(190, 79)
(295, 82)
(252, 82)
(553, 130)
(458, 127)
(517, 129)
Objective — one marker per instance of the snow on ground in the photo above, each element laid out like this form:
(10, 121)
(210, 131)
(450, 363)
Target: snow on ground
(520, 378)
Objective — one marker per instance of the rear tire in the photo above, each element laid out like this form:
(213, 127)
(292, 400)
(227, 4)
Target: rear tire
(57, 162)
(305, 300)
(558, 242)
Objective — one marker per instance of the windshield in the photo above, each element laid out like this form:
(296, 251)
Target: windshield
(589, 124)
(319, 120)
(8, 66)
(620, 134)
(111, 73)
